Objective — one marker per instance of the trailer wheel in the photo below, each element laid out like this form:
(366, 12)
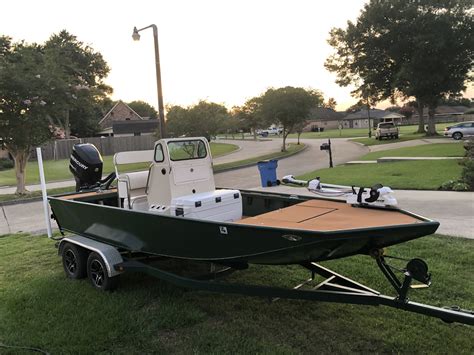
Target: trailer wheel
(74, 261)
(97, 273)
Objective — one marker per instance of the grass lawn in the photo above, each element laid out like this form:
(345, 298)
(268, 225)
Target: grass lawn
(59, 170)
(428, 150)
(417, 175)
(40, 308)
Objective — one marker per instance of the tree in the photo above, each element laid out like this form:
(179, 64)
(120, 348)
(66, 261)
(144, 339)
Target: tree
(404, 48)
(457, 100)
(331, 103)
(288, 106)
(250, 115)
(203, 119)
(299, 127)
(23, 102)
(359, 105)
(406, 111)
(144, 109)
(76, 80)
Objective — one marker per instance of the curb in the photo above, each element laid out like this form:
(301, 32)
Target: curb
(23, 200)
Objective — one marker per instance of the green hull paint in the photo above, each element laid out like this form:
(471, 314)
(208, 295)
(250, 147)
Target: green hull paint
(204, 240)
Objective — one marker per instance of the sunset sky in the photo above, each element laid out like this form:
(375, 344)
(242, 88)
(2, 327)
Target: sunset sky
(221, 51)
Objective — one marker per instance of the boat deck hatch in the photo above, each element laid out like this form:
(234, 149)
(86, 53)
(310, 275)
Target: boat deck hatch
(322, 215)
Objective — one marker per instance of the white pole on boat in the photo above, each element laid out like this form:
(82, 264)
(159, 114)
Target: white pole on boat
(44, 193)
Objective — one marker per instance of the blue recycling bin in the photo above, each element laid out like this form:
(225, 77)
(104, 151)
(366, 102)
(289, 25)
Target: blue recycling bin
(267, 169)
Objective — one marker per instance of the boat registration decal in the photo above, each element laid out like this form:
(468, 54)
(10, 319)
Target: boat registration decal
(292, 237)
(223, 230)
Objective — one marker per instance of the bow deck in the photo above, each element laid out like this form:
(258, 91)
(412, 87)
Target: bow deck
(323, 215)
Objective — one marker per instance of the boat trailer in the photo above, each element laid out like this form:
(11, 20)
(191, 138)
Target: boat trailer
(333, 288)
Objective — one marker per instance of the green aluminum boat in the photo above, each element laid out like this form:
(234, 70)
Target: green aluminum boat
(174, 210)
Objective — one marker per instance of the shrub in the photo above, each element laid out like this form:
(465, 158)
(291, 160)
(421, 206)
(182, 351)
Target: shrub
(466, 182)
(454, 185)
(467, 174)
(6, 164)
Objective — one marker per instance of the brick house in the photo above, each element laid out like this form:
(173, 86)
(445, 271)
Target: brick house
(122, 121)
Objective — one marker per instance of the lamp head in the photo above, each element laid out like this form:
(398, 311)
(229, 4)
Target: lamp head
(135, 35)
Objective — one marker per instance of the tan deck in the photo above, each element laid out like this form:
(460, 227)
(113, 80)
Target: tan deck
(87, 194)
(320, 215)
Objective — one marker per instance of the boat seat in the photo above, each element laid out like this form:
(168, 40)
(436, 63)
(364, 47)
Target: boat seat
(132, 188)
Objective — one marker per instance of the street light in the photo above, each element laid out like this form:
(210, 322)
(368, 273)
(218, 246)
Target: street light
(161, 114)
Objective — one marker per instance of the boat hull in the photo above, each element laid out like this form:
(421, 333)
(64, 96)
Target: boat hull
(226, 243)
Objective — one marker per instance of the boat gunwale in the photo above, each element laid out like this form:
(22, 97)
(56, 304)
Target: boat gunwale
(426, 221)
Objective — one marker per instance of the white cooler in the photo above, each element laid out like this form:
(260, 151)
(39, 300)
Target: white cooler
(218, 205)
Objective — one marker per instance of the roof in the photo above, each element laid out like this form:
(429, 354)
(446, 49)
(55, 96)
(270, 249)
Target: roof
(393, 115)
(115, 107)
(325, 114)
(374, 113)
(444, 109)
(145, 126)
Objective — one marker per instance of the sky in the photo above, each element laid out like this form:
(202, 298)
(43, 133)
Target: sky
(221, 51)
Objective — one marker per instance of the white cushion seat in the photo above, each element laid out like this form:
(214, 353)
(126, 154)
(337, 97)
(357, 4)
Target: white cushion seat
(132, 188)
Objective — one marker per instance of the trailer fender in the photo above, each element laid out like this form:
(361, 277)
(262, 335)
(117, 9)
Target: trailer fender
(109, 253)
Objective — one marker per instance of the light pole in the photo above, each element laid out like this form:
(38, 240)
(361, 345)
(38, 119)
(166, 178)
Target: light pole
(161, 114)
(368, 116)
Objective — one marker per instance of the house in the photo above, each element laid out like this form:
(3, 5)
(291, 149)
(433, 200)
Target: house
(360, 119)
(123, 121)
(321, 117)
(445, 113)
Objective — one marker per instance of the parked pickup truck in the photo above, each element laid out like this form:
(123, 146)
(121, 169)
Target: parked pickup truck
(386, 130)
(269, 131)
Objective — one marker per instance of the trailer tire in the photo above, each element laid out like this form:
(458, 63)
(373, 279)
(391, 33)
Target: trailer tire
(74, 261)
(97, 273)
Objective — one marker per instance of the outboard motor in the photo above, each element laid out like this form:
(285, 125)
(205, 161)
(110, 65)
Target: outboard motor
(86, 166)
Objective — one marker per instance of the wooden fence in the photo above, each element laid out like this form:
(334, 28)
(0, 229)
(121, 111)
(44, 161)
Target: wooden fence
(62, 149)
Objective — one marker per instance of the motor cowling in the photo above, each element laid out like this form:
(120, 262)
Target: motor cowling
(86, 165)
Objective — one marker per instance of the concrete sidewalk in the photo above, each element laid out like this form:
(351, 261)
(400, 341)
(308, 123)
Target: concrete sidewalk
(395, 159)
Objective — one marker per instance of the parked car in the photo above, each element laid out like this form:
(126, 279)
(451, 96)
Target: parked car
(460, 130)
(386, 130)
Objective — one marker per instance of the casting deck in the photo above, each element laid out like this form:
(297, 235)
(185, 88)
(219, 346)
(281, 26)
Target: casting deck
(323, 215)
